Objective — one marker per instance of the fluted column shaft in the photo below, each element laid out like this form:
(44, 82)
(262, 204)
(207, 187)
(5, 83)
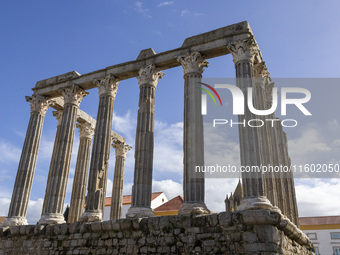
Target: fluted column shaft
(61, 159)
(57, 114)
(244, 52)
(118, 181)
(193, 141)
(95, 203)
(23, 182)
(262, 92)
(86, 132)
(142, 183)
(286, 180)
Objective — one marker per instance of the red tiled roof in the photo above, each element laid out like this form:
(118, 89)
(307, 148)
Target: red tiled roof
(2, 219)
(322, 220)
(172, 205)
(128, 198)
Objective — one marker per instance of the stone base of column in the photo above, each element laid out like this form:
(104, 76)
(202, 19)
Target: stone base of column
(52, 218)
(14, 221)
(91, 217)
(276, 209)
(193, 209)
(255, 203)
(139, 212)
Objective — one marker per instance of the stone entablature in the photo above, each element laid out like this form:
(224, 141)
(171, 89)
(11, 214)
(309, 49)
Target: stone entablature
(211, 44)
(246, 233)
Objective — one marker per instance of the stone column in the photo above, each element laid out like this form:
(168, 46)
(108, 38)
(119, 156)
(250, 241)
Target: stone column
(142, 183)
(23, 182)
(287, 180)
(118, 180)
(278, 160)
(95, 203)
(86, 131)
(57, 114)
(262, 92)
(244, 52)
(61, 159)
(193, 145)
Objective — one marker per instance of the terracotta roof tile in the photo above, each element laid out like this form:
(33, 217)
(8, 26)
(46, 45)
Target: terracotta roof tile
(172, 205)
(322, 220)
(128, 198)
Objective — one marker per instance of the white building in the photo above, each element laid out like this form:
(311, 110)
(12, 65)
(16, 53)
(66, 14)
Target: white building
(324, 232)
(157, 199)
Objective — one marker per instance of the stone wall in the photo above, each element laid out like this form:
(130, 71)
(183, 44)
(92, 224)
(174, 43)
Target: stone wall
(249, 232)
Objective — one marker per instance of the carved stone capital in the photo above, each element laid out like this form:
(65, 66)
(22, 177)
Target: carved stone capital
(73, 94)
(245, 49)
(38, 103)
(260, 70)
(86, 130)
(193, 63)
(149, 75)
(107, 85)
(58, 114)
(121, 149)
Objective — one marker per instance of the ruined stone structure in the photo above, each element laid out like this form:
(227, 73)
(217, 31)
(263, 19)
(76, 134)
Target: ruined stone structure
(248, 232)
(259, 226)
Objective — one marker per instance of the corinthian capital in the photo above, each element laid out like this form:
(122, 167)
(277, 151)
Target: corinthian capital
(149, 75)
(261, 74)
(121, 149)
(58, 114)
(39, 104)
(107, 85)
(260, 70)
(193, 63)
(73, 94)
(86, 130)
(244, 49)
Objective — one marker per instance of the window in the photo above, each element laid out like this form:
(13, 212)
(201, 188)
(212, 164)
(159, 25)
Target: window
(335, 235)
(317, 251)
(336, 250)
(312, 236)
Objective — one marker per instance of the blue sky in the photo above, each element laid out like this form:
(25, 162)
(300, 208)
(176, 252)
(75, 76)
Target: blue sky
(42, 39)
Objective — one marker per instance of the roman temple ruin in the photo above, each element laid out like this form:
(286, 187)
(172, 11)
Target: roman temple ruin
(266, 219)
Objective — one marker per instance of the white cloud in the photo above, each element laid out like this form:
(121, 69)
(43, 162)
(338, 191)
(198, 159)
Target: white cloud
(168, 151)
(220, 148)
(33, 211)
(165, 3)
(310, 145)
(317, 197)
(46, 147)
(143, 11)
(109, 188)
(184, 12)
(127, 190)
(216, 190)
(199, 14)
(9, 152)
(125, 126)
(4, 206)
(170, 188)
